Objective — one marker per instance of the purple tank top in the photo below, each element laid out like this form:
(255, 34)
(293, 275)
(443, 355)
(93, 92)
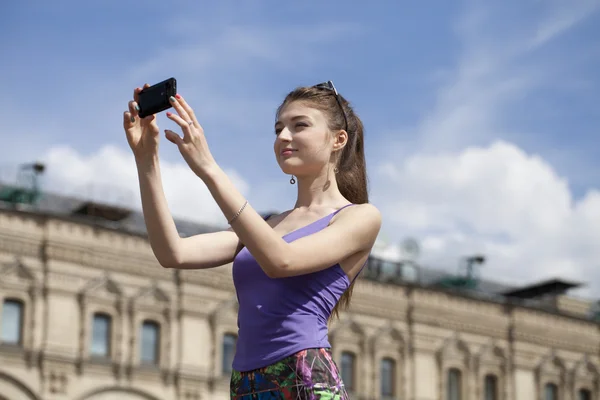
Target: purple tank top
(279, 317)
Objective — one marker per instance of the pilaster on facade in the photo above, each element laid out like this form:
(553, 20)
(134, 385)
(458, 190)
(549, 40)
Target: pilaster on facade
(491, 368)
(550, 375)
(223, 322)
(454, 361)
(348, 339)
(101, 297)
(151, 305)
(21, 284)
(585, 376)
(388, 345)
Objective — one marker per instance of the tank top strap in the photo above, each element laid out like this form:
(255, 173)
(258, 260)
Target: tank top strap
(333, 214)
(347, 205)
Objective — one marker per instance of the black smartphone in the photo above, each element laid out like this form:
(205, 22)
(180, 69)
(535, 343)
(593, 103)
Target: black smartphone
(155, 98)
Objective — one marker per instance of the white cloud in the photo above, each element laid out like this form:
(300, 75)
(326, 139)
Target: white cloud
(499, 201)
(109, 175)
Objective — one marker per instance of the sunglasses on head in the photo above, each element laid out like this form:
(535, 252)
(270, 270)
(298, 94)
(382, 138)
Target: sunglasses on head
(330, 86)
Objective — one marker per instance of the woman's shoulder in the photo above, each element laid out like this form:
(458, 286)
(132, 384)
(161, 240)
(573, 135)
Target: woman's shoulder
(367, 210)
(366, 213)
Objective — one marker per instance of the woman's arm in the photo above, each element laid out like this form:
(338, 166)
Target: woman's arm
(354, 230)
(196, 252)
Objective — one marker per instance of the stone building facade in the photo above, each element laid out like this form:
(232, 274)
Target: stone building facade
(88, 314)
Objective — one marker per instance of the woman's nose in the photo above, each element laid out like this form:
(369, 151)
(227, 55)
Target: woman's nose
(285, 135)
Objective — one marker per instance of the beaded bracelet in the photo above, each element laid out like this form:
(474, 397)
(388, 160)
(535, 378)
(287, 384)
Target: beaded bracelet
(238, 213)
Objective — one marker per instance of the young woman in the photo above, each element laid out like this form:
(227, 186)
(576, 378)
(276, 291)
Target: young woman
(292, 271)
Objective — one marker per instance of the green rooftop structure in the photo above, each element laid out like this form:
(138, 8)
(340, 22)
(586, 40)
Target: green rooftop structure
(27, 188)
(469, 279)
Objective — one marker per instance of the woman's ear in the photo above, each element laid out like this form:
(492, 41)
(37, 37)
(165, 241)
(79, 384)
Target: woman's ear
(340, 140)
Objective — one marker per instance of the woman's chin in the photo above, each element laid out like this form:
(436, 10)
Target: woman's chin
(289, 167)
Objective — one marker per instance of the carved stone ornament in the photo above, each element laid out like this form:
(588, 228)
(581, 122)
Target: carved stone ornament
(348, 331)
(225, 313)
(57, 382)
(491, 356)
(16, 273)
(454, 351)
(388, 337)
(102, 288)
(150, 298)
(551, 367)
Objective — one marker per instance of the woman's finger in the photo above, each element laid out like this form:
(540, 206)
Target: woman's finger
(136, 92)
(133, 110)
(173, 137)
(186, 127)
(180, 110)
(188, 109)
(128, 119)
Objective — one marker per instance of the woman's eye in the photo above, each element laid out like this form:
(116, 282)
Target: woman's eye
(301, 125)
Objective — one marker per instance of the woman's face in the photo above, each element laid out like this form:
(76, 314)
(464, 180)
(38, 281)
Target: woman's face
(304, 143)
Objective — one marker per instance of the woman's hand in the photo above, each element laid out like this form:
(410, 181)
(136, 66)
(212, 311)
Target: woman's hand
(193, 146)
(142, 133)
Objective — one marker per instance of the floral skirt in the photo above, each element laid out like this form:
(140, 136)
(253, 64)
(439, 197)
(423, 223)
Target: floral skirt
(307, 375)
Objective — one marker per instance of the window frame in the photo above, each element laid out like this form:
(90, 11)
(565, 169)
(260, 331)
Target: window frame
(353, 387)
(109, 335)
(21, 326)
(157, 345)
(461, 383)
(393, 377)
(496, 380)
(226, 367)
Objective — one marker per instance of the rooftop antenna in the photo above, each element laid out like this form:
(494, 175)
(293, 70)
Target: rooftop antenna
(27, 188)
(470, 266)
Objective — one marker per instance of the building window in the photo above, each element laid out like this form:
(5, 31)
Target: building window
(348, 366)
(229, 342)
(388, 375)
(101, 332)
(550, 392)
(150, 343)
(584, 394)
(454, 385)
(490, 387)
(12, 322)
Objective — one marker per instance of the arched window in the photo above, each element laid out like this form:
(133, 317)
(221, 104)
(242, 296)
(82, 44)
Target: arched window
(150, 343)
(454, 384)
(101, 335)
(348, 370)
(388, 377)
(490, 387)
(584, 394)
(12, 322)
(551, 392)
(229, 343)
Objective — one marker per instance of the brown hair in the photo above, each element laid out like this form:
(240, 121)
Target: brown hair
(352, 168)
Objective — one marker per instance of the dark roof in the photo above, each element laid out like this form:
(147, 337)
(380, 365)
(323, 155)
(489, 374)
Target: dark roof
(552, 287)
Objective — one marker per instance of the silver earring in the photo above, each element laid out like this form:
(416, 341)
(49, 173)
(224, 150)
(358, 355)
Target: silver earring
(336, 170)
(292, 180)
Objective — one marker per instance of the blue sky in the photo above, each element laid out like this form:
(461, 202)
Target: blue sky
(481, 117)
